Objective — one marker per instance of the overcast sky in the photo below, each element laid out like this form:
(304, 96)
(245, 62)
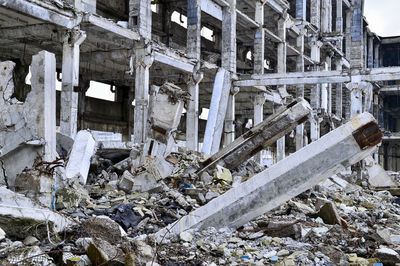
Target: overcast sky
(383, 16)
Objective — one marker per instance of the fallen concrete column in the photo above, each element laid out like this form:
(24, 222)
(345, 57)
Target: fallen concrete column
(79, 161)
(288, 178)
(21, 217)
(262, 135)
(216, 116)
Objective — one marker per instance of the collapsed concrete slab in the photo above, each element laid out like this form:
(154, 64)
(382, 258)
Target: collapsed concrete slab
(20, 216)
(79, 161)
(262, 135)
(288, 178)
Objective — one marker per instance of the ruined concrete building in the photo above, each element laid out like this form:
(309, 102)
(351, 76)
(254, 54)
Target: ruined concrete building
(239, 59)
(298, 85)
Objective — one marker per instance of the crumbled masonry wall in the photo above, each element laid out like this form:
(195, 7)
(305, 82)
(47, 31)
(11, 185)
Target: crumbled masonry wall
(18, 125)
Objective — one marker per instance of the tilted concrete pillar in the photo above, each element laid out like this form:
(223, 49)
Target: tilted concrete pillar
(43, 85)
(193, 51)
(70, 81)
(229, 126)
(286, 179)
(223, 81)
(216, 115)
(143, 62)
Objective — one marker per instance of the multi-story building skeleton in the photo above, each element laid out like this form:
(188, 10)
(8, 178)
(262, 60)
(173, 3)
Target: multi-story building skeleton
(241, 59)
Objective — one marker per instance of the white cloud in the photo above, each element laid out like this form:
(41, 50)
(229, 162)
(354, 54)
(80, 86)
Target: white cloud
(383, 17)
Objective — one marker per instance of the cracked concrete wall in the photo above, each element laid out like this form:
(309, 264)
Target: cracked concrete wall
(25, 126)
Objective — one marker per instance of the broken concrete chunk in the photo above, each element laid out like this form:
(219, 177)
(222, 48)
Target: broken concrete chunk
(126, 182)
(35, 186)
(387, 256)
(145, 182)
(20, 216)
(100, 251)
(71, 197)
(329, 214)
(64, 144)
(222, 173)
(378, 177)
(79, 160)
(31, 241)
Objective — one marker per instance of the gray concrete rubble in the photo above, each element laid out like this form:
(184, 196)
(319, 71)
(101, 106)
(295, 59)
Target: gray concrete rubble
(27, 128)
(261, 136)
(302, 170)
(20, 216)
(198, 132)
(79, 160)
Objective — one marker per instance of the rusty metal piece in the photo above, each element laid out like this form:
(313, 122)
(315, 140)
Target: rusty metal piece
(368, 135)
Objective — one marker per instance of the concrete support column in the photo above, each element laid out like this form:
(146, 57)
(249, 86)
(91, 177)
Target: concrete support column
(229, 126)
(339, 93)
(348, 33)
(44, 88)
(229, 56)
(84, 86)
(300, 88)
(194, 52)
(229, 37)
(376, 55)
(143, 62)
(301, 9)
(281, 68)
(316, 58)
(140, 17)
(315, 16)
(370, 51)
(70, 81)
(315, 91)
(259, 40)
(258, 102)
(326, 15)
(324, 91)
(339, 21)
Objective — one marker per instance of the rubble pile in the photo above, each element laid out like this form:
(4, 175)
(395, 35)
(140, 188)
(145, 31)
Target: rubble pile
(335, 223)
(153, 203)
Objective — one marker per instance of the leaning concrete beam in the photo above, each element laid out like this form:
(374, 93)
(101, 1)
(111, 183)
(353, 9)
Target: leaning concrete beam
(79, 161)
(288, 178)
(216, 116)
(262, 135)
